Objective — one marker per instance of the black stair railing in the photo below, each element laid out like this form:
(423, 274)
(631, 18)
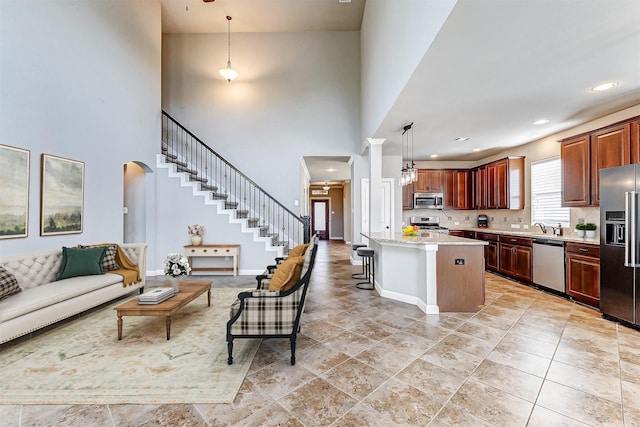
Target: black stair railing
(227, 183)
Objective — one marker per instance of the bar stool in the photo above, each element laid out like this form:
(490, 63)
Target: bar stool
(355, 247)
(369, 263)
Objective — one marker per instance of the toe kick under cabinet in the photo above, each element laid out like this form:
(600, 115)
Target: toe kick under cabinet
(208, 251)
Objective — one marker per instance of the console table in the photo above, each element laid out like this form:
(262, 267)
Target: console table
(202, 251)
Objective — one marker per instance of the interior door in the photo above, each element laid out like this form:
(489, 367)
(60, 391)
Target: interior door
(387, 216)
(320, 218)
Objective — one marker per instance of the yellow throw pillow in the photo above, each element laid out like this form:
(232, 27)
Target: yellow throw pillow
(299, 250)
(287, 274)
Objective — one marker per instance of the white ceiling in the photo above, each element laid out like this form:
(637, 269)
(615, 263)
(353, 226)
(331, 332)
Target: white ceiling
(494, 68)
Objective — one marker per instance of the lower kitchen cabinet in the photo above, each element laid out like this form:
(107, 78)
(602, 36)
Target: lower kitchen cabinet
(491, 252)
(582, 269)
(515, 257)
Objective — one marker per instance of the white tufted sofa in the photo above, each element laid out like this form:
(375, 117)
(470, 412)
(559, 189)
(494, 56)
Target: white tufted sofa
(44, 300)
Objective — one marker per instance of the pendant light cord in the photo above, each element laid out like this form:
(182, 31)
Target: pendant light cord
(228, 40)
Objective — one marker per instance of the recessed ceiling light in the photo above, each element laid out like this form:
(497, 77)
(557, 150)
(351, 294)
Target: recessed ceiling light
(541, 122)
(475, 150)
(462, 139)
(330, 170)
(433, 156)
(604, 86)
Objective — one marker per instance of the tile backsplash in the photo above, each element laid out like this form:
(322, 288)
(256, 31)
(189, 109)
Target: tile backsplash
(500, 219)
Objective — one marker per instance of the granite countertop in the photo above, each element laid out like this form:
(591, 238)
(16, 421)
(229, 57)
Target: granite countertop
(422, 238)
(534, 234)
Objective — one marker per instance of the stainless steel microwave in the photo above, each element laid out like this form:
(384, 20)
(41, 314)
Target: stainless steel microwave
(428, 200)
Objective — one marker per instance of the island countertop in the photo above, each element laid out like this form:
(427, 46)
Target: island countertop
(422, 238)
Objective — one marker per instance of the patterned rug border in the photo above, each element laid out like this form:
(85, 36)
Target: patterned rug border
(14, 361)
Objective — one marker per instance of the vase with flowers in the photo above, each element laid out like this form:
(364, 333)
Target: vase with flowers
(176, 266)
(196, 231)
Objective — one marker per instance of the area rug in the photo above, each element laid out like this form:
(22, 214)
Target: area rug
(82, 361)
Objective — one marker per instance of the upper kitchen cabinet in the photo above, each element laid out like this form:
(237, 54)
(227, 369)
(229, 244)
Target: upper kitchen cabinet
(635, 141)
(505, 184)
(584, 155)
(429, 181)
(479, 179)
(407, 197)
(575, 154)
(457, 189)
(610, 147)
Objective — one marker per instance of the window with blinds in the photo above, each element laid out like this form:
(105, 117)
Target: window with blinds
(546, 193)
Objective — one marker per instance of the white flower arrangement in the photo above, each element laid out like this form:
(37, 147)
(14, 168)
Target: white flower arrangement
(176, 265)
(196, 230)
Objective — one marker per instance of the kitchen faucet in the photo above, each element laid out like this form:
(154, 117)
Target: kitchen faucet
(542, 227)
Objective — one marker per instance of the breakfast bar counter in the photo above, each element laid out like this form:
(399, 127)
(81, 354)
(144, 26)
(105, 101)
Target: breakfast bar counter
(434, 271)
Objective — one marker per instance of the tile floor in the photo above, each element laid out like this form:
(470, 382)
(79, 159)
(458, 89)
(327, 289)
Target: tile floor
(527, 358)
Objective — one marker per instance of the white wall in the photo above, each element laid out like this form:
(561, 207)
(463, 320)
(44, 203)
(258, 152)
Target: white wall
(297, 95)
(81, 79)
(395, 35)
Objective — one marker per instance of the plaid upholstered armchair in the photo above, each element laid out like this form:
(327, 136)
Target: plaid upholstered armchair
(265, 313)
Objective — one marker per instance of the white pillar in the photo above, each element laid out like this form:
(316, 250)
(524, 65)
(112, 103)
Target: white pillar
(375, 184)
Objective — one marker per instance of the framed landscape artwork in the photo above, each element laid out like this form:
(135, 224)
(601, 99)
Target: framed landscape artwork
(61, 196)
(14, 192)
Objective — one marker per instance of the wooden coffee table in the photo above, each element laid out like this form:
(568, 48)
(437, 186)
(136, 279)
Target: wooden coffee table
(189, 291)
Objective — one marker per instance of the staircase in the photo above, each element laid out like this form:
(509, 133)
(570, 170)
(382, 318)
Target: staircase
(233, 192)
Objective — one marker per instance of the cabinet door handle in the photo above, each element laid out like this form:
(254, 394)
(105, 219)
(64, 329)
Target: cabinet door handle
(205, 250)
(583, 249)
(514, 240)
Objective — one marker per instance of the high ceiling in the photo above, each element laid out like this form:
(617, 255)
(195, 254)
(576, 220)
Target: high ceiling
(494, 68)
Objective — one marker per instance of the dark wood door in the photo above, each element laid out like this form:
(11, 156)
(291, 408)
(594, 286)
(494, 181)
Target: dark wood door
(420, 186)
(480, 187)
(635, 142)
(407, 197)
(523, 263)
(433, 181)
(462, 189)
(491, 256)
(492, 177)
(501, 187)
(610, 147)
(449, 189)
(507, 255)
(320, 218)
(583, 278)
(575, 155)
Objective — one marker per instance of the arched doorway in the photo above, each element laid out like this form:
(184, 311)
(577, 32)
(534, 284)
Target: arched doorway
(135, 211)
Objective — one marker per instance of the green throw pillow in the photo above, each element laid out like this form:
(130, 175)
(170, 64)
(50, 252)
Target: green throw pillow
(81, 262)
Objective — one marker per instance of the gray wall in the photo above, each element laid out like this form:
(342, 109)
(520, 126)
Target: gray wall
(298, 94)
(81, 80)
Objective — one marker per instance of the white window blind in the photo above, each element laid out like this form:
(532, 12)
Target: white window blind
(546, 193)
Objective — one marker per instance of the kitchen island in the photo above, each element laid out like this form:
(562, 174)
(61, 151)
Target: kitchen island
(434, 271)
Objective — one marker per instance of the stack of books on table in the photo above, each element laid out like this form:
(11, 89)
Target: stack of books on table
(155, 296)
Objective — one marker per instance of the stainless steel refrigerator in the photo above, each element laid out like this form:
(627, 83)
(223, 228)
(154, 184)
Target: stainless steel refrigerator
(620, 243)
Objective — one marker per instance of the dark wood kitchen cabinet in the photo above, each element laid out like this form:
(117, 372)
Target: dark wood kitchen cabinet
(505, 184)
(575, 154)
(457, 189)
(429, 181)
(610, 147)
(491, 251)
(583, 156)
(635, 141)
(576, 171)
(583, 272)
(480, 187)
(515, 257)
(407, 197)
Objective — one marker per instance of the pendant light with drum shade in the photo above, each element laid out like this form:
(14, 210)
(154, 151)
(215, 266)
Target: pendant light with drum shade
(228, 73)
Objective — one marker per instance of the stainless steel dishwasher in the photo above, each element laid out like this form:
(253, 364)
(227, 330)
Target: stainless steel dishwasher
(548, 263)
